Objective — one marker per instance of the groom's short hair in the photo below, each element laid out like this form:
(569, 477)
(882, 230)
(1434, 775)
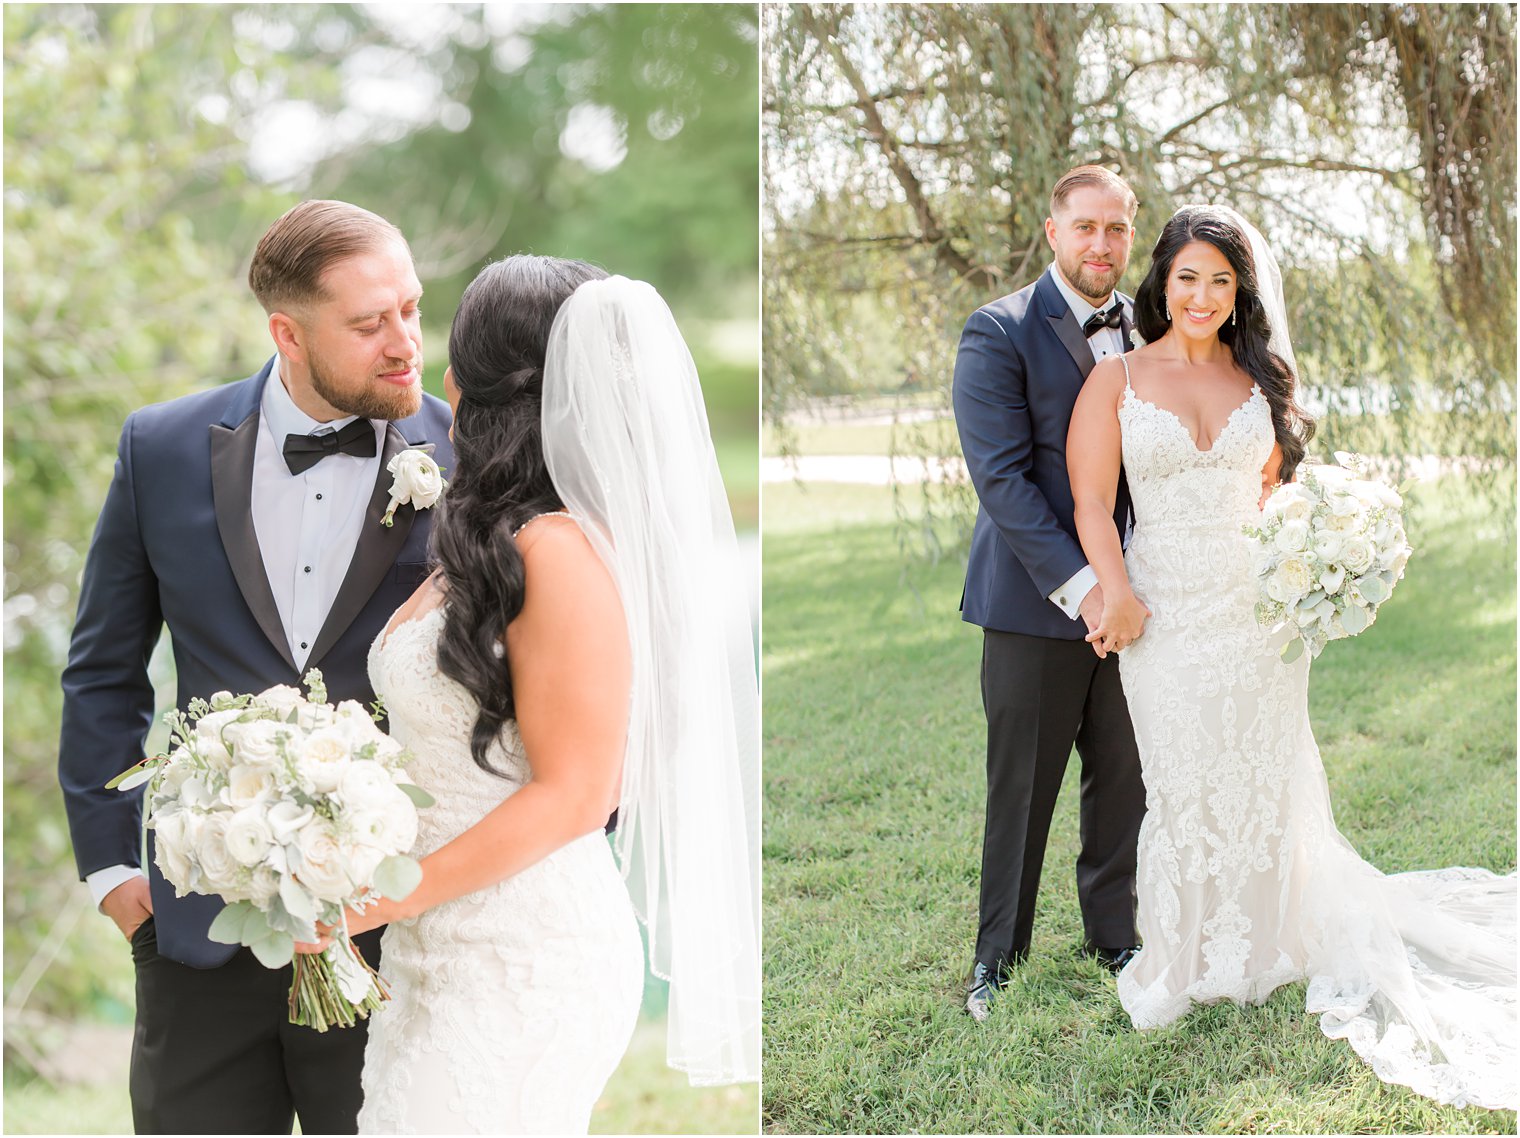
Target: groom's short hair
(305, 242)
(1099, 176)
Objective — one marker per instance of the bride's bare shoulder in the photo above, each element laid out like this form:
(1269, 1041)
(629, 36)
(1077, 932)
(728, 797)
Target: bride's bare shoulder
(559, 561)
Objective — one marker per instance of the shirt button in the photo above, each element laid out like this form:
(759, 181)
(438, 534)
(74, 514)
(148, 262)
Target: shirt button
(319, 497)
(307, 569)
(303, 644)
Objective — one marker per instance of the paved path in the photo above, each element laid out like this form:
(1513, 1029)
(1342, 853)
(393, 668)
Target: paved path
(881, 470)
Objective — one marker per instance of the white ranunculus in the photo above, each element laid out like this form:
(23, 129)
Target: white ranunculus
(1357, 554)
(286, 819)
(249, 835)
(321, 867)
(1290, 580)
(416, 481)
(388, 824)
(280, 699)
(324, 756)
(365, 785)
(218, 866)
(171, 849)
(1328, 545)
(1293, 537)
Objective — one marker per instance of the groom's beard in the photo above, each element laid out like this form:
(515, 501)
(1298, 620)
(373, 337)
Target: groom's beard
(372, 398)
(1094, 286)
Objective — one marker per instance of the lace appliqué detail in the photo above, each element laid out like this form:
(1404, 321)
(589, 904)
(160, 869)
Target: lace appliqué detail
(510, 1006)
(1244, 883)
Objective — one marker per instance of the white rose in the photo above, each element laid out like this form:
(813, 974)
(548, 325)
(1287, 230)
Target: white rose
(256, 742)
(1289, 581)
(323, 758)
(247, 785)
(1293, 537)
(390, 824)
(363, 860)
(171, 849)
(286, 819)
(321, 867)
(249, 836)
(1357, 554)
(218, 866)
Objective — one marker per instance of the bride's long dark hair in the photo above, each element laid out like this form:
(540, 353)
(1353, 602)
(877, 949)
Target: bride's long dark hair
(1249, 335)
(499, 481)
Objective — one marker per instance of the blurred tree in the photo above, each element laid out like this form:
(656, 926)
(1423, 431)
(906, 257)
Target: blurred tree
(910, 150)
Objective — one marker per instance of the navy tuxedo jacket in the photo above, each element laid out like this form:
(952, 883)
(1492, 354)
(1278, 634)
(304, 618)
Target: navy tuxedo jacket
(175, 546)
(1021, 362)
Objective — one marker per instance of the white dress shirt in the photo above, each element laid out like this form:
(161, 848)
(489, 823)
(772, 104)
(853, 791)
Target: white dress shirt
(307, 526)
(1104, 342)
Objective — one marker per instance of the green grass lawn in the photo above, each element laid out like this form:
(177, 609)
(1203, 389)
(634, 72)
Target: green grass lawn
(874, 802)
(643, 1097)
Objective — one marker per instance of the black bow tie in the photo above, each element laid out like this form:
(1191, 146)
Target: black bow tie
(1099, 320)
(302, 452)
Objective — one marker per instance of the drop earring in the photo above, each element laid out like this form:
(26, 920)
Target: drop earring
(1232, 314)
(1167, 308)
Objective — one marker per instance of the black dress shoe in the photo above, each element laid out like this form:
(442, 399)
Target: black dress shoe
(982, 989)
(1114, 959)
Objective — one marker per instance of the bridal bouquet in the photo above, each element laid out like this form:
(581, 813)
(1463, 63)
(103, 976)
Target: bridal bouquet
(291, 810)
(1329, 549)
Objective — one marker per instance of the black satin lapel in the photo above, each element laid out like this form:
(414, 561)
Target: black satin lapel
(232, 495)
(374, 554)
(1070, 331)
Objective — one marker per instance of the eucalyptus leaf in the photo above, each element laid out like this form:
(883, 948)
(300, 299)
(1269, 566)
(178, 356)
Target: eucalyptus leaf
(274, 950)
(1355, 619)
(227, 928)
(297, 901)
(397, 876)
(420, 798)
(1292, 650)
(1374, 589)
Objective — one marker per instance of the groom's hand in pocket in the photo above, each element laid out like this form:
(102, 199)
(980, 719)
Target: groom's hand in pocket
(129, 905)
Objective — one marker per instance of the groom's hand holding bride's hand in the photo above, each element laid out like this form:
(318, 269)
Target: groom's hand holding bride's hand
(129, 905)
(1122, 622)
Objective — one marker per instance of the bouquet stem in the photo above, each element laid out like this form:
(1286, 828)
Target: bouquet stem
(317, 999)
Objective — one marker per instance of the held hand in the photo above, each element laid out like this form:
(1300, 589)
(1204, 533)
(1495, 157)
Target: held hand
(1091, 608)
(129, 905)
(1122, 622)
(382, 913)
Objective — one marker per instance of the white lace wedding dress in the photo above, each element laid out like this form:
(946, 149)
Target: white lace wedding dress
(1244, 884)
(510, 1007)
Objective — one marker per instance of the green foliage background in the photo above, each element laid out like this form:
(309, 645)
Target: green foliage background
(910, 149)
(146, 149)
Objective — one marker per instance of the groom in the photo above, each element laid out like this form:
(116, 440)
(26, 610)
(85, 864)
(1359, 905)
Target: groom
(247, 519)
(1019, 367)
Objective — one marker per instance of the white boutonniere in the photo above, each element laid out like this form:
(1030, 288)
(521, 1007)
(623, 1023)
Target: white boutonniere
(417, 482)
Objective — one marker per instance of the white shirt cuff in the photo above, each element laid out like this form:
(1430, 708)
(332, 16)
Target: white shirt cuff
(1068, 598)
(102, 881)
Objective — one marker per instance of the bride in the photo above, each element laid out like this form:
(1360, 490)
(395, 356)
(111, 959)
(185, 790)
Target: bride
(1244, 883)
(582, 648)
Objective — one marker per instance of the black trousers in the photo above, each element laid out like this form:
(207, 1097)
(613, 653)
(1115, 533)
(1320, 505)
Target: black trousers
(214, 1051)
(1041, 695)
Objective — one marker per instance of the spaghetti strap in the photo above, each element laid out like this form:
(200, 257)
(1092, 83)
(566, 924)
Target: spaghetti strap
(1125, 362)
(535, 517)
